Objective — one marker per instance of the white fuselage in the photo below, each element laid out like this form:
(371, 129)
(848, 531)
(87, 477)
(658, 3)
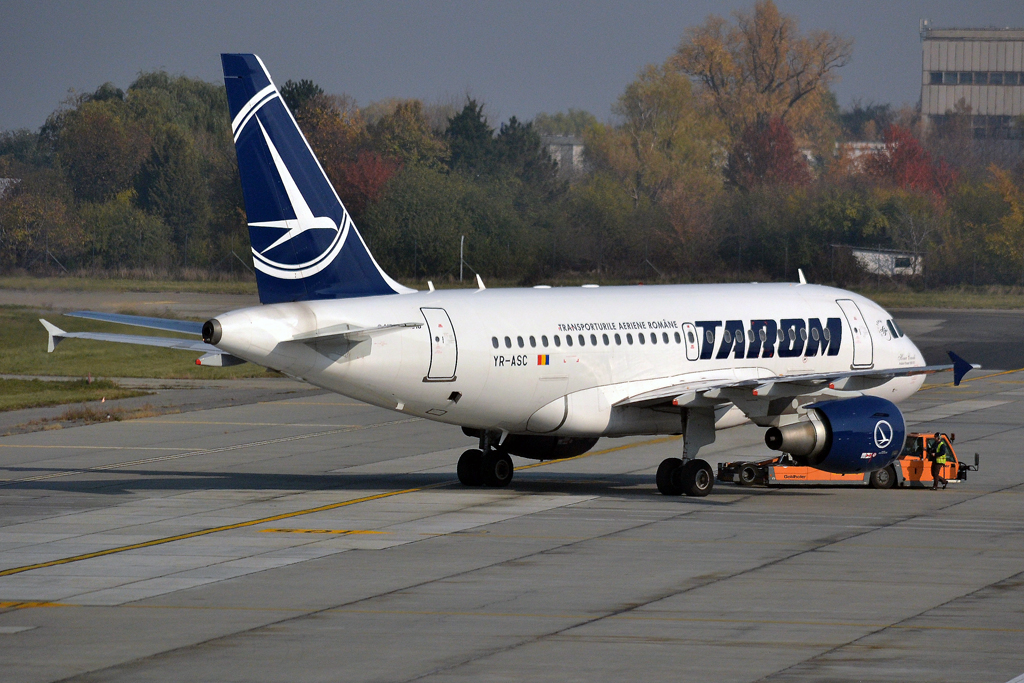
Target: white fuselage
(489, 359)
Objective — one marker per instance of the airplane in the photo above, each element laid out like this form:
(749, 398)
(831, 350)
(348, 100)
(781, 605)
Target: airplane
(541, 372)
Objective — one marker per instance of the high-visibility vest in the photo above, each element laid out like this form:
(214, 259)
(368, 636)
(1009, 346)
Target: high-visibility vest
(940, 453)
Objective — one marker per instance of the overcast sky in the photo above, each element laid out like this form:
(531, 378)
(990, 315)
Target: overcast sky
(519, 58)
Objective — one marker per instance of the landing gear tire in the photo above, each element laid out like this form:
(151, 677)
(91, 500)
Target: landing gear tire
(884, 478)
(497, 469)
(748, 474)
(697, 478)
(470, 468)
(668, 477)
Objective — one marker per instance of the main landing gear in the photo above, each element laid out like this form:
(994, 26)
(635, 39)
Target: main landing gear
(485, 466)
(692, 477)
(688, 474)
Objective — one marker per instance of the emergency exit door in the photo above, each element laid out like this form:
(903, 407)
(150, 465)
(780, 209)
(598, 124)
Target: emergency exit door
(863, 347)
(444, 350)
(691, 341)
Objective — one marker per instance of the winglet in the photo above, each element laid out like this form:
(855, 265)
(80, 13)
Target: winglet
(479, 282)
(800, 272)
(56, 335)
(960, 368)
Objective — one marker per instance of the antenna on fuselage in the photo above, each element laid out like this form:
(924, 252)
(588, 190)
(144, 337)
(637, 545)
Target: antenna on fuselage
(800, 272)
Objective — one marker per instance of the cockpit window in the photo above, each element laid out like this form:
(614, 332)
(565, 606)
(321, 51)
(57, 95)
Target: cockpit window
(892, 328)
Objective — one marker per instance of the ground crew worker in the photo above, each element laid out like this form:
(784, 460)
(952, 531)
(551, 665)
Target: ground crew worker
(940, 456)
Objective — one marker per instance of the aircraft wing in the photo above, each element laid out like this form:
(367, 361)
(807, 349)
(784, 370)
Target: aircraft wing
(196, 328)
(57, 335)
(740, 392)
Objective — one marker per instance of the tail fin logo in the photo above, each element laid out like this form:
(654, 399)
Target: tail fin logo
(304, 244)
(304, 220)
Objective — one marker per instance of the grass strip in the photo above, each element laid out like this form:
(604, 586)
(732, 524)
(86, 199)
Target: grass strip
(23, 351)
(16, 394)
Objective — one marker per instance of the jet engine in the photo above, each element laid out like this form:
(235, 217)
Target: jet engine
(859, 434)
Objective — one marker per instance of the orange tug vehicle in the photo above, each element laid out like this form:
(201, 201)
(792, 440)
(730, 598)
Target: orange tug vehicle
(911, 468)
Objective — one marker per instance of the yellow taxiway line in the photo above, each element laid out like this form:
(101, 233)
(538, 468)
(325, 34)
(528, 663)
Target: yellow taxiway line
(970, 379)
(205, 532)
(297, 513)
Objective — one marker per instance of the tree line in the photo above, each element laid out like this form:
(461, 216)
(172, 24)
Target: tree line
(727, 161)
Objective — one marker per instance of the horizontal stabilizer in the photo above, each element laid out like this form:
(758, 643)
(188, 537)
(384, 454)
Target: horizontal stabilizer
(57, 335)
(349, 331)
(183, 326)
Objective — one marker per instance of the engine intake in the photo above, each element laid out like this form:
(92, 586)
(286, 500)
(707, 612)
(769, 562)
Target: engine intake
(212, 331)
(852, 435)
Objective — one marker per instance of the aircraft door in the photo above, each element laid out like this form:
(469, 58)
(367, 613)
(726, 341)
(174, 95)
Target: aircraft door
(863, 347)
(444, 350)
(691, 341)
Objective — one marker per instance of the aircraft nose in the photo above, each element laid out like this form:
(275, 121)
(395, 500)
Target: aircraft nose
(912, 348)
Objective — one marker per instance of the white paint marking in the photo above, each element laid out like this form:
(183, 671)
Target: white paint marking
(941, 412)
(10, 630)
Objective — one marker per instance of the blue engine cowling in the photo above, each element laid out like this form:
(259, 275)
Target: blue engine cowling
(859, 434)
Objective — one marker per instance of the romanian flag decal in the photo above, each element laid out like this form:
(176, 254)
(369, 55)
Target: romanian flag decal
(543, 359)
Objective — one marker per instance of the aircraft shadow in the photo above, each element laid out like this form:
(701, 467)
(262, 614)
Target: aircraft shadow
(116, 482)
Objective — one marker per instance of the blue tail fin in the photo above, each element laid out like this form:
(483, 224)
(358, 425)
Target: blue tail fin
(304, 244)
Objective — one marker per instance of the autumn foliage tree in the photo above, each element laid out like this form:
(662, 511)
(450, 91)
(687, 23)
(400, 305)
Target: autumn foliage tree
(766, 154)
(364, 179)
(662, 139)
(761, 67)
(904, 163)
(405, 134)
(101, 149)
(701, 174)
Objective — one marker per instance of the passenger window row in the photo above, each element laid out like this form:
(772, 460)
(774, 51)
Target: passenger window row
(762, 334)
(653, 337)
(583, 340)
(642, 338)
